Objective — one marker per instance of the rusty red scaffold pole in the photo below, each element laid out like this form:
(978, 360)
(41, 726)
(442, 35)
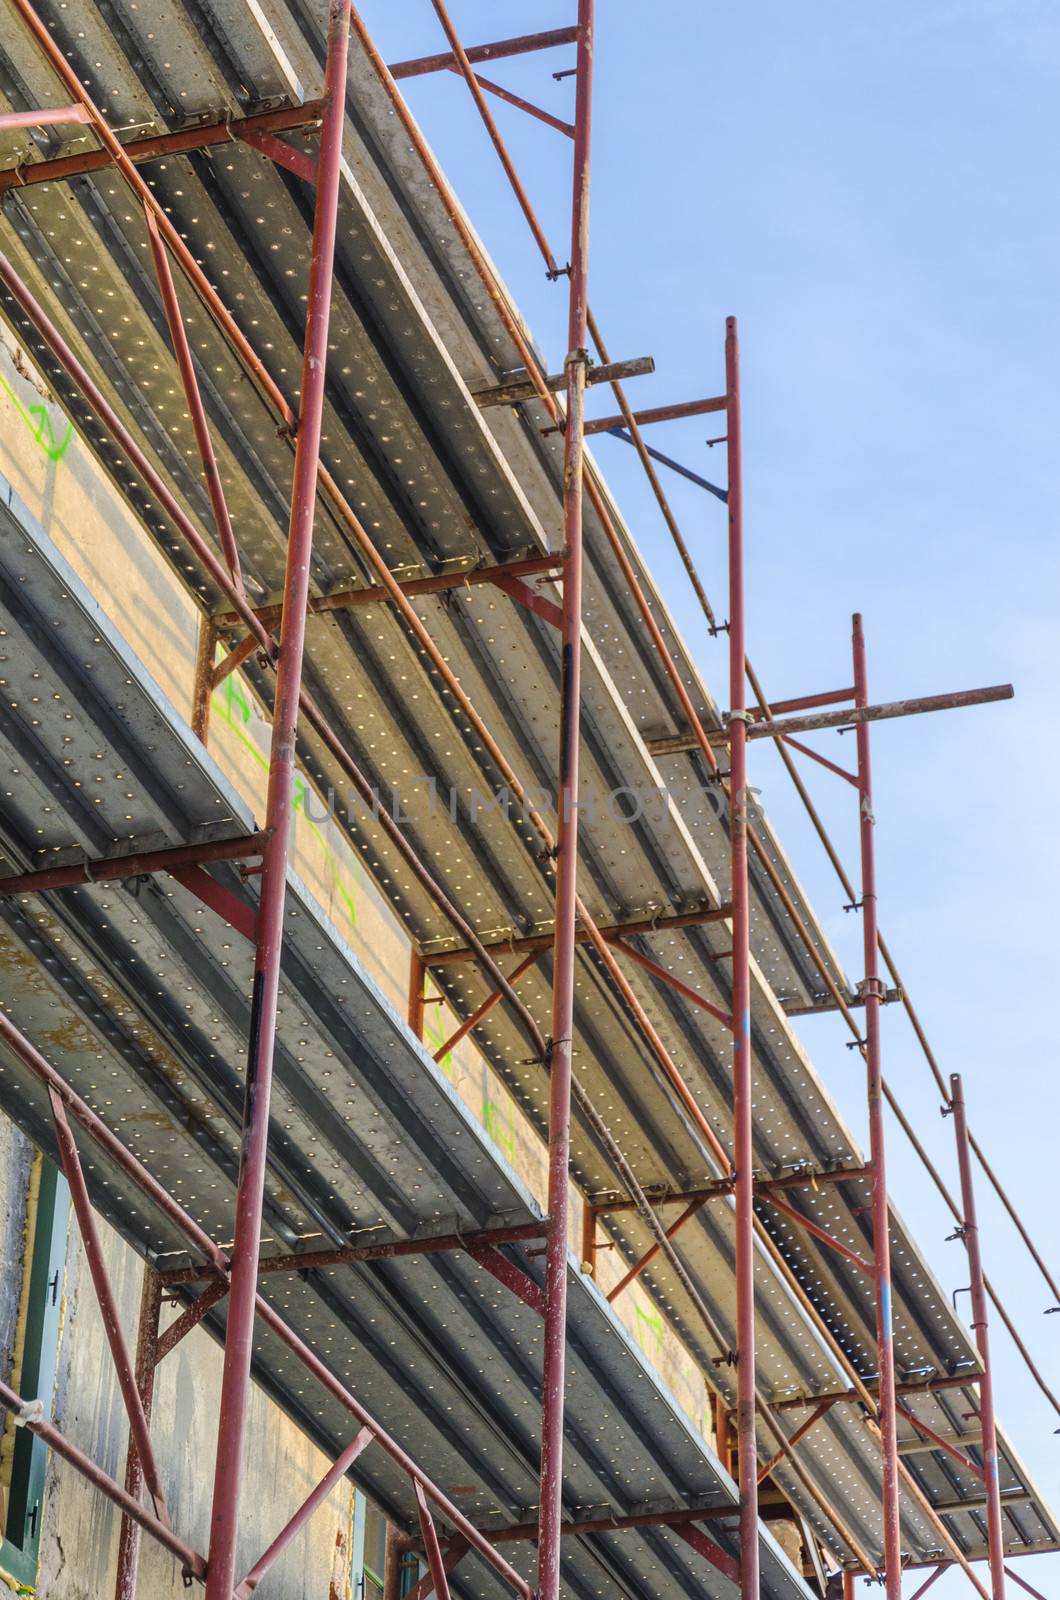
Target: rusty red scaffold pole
(881, 1239)
(561, 1041)
(743, 1114)
(130, 1536)
(224, 1526)
(995, 1533)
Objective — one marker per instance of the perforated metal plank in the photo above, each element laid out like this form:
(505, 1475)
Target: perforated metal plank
(413, 456)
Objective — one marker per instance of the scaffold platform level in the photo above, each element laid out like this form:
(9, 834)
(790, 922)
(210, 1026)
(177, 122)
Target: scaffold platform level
(140, 997)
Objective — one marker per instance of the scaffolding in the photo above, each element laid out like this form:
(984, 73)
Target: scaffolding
(771, 1215)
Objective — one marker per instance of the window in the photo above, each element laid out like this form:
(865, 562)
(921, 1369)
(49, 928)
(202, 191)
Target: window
(409, 1573)
(373, 1559)
(33, 1369)
(368, 1565)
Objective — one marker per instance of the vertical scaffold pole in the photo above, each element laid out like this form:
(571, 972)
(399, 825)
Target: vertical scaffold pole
(130, 1537)
(221, 1572)
(417, 1008)
(995, 1532)
(742, 1089)
(881, 1238)
(848, 1586)
(560, 1046)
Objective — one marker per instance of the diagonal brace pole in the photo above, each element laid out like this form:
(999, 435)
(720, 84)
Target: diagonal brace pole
(511, 1276)
(335, 1473)
(492, 999)
(938, 1441)
(435, 1559)
(1024, 1584)
(814, 1228)
(86, 1223)
(649, 1255)
(727, 1565)
(924, 1587)
(522, 105)
(456, 1549)
(178, 334)
(300, 162)
(462, 64)
(800, 1433)
(671, 982)
(190, 1317)
(219, 899)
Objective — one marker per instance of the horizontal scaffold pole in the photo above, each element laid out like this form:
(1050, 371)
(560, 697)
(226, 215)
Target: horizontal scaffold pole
(506, 394)
(782, 727)
(467, 577)
(617, 930)
(156, 146)
(105, 869)
(420, 66)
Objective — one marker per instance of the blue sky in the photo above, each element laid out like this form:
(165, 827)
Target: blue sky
(870, 192)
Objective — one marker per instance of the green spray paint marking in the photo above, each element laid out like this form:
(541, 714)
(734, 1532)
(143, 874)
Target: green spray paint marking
(649, 1328)
(434, 1035)
(500, 1125)
(39, 423)
(233, 706)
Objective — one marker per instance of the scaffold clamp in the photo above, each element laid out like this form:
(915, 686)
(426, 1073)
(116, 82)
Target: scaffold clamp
(28, 1413)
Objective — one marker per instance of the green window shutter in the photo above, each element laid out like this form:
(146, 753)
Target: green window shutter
(46, 1266)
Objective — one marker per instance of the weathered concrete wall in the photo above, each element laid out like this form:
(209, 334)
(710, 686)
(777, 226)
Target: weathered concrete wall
(16, 1155)
(283, 1465)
